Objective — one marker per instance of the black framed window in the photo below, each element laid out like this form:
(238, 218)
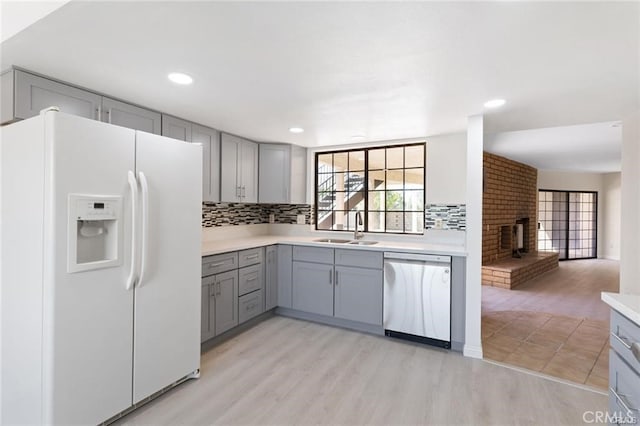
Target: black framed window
(385, 184)
(568, 223)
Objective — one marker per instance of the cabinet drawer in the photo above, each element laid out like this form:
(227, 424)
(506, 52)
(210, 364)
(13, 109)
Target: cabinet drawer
(313, 254)
(250, 257)
(359, 258)
(250, 279)
(249, 306)
(219, 263)
(624, 335)
(624, 392)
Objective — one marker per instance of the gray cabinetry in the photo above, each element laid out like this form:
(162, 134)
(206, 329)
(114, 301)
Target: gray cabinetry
(271, 278)
(34, 93)
(249, 306)
(358, 294)
(285, 275)
(250, 279)
(210, 141)
(207, 324)
(624, 370)
(238, 170)
(131, 116)
(176, 128)
(24, 95)
(226, 301)
(313, 287)
(282, 174)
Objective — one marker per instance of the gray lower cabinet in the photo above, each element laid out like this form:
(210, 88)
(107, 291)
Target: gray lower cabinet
(207, 325)
(624, 370)
(271, 278)
(249, 306)
(313, 288)
(131, 116)
(226, 301)
(358, 294)
(285, 275)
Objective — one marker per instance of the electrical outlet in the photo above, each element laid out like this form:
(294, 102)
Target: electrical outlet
(438, 223)
(300, 219)
(272, 218)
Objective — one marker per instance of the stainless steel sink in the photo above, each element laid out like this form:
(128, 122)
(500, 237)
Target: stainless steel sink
(363, 243)
(331, 240)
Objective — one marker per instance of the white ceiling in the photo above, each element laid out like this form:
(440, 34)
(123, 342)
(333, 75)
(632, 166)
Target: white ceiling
(385, 70)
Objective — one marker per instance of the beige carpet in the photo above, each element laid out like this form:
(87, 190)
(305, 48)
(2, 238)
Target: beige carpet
(574, 349)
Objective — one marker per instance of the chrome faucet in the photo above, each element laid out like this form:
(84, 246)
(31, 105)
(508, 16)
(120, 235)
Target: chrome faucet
(358, 234)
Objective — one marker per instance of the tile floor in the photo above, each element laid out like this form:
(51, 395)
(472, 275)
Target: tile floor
(555, 324)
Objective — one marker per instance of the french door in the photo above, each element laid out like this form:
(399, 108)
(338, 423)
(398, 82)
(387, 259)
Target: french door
(568, 223)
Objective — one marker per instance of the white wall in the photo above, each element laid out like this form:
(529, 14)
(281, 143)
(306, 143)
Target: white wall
(446, 172)
(612, 214)
(473, 342)
(630, 194)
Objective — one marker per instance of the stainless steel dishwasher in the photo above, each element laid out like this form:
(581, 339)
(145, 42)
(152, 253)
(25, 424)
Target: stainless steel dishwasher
(417, 298)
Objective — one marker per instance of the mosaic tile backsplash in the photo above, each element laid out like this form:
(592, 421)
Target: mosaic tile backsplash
(225, 214)
(452, 216)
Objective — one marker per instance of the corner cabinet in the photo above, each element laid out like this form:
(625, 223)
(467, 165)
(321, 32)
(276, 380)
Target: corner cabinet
(238, 170)
(282, 174)
(24, 95)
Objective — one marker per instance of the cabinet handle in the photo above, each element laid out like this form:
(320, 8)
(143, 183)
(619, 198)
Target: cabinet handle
(215, 265)
(251, 279)
(237, 192)
(99, 114)
(212, 290)
(621, 401)
(336, 277)
(243, 192)
(330, 277)
(253, 256)
(109, 115)
(621, 340)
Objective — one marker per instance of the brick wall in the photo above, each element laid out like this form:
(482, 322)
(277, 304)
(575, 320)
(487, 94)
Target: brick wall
(510, 193)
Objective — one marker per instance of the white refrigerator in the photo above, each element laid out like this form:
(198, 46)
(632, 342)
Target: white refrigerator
(100, 230)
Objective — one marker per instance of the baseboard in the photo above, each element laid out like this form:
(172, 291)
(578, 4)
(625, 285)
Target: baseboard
(472, 351)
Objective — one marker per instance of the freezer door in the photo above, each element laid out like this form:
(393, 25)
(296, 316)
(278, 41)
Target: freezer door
(88, 324)
(167, 298)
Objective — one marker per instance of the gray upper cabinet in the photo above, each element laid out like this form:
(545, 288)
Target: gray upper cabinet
(24, 95)
(33, 93)
(358, 294)
(238, 170)
(313, 288)
(282, 174)
(176, 128)
(210, 141)
(131, 116)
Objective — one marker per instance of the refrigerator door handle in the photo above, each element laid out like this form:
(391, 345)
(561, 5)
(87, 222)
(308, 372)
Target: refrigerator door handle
(133, 185)
(145, 226)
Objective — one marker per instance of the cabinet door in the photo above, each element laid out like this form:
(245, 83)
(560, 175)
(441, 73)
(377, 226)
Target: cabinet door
(313, 288)
(229, 184)
(176, 128)
(210, 141)
(249, 171)
(35, 93)
(131, 116)
(274, 173)
(284, 275)
(226, 301)
(271, 278)
(358, 294)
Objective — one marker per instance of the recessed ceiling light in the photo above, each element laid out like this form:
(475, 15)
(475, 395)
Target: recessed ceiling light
(296, 129)
(180, 78)
(494, 103)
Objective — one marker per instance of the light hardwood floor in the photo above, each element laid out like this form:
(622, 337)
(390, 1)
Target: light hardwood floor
(286, 371)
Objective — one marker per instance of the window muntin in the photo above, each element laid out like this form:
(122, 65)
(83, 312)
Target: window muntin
(386, 184)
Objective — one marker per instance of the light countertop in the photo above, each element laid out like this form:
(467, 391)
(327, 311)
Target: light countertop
(627, 304)
(218, 246)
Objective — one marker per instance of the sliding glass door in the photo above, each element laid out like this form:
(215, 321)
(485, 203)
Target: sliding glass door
(567, 223)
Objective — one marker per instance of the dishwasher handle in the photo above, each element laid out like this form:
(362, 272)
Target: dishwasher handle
(417, 257)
